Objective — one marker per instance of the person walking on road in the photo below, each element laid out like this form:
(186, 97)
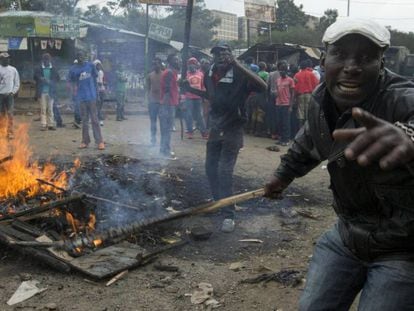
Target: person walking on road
(9, 86)
(169, 100)
(193, 103)
(305, 83)
(46, 77)
(84, 75)
(228, 84)
(153, 95)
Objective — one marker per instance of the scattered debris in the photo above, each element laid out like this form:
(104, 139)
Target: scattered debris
(273, 148)
(286, 277)
(117, 278)
(200, 233)
(308, 214)
(51, 306)
(26, 290)
(237, 266)
(171, 210)
(25, 276)
(202, 293)
(167, 268)
(251, 241)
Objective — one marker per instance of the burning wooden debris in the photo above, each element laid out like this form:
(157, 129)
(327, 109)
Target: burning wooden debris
(55, 216)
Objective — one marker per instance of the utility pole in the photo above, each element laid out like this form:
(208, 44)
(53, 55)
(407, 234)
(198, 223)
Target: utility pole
(248, 32)
(146, 62)
(187, 33)
(349, 3)
(270, 33)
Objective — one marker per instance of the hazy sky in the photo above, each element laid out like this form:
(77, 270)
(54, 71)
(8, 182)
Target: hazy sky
(396, 13)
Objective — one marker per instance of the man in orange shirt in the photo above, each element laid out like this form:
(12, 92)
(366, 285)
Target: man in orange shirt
(305, 83)
(193, 102)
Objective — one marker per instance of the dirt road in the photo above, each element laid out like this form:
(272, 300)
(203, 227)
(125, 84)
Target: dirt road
(286, 229)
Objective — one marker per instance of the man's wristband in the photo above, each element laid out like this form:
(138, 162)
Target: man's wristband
(407, 128)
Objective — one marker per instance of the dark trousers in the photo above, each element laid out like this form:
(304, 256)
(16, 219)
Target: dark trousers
(271, 116)
(6, 110)
(193, 112)
(294, 122)
(99, 105)
(166, 115)
(89, 110)
(283, 119)
(221, 156)
(153, 111)
(120, 105)
(76, 109)
(56, 114)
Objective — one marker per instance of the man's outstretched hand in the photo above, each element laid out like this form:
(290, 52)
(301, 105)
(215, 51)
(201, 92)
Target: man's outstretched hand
(377, 140)
(274, 188)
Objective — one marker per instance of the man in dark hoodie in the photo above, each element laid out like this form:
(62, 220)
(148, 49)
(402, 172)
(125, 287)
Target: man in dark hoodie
(228, 84)
(361, 119)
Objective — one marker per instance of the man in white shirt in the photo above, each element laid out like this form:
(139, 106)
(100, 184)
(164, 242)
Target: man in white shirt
(9, 85)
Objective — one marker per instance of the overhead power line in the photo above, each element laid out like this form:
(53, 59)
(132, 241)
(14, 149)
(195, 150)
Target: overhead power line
(382, 3)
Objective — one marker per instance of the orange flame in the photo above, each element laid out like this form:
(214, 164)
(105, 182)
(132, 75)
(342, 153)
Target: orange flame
(19, 174)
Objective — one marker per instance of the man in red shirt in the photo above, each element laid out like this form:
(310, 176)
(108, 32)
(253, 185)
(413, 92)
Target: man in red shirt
(192, 101)
(169, 100)
(284, 99)
(305, 83)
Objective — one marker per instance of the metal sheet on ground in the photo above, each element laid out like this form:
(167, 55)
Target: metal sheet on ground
(108, 261)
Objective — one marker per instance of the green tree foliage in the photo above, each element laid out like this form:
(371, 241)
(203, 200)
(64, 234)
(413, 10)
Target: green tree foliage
(327, 19)
(402, 38)
(201, 27)
(288, 15)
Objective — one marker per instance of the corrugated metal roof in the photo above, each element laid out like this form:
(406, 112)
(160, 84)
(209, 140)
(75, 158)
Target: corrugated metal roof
(26, 14)
(128, 32)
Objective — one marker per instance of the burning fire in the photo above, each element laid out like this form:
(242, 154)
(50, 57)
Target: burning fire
(18, 174)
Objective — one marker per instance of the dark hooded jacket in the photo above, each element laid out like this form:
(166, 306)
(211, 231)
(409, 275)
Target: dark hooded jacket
(375, 207)
(54, 79)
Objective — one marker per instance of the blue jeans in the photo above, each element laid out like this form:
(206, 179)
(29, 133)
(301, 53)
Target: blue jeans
(153, 110)
(283, 119)
(193, 111)
(336, 276)
(166, 117)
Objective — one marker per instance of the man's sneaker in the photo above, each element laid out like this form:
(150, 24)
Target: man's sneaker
(83, 146)
(52, 128)
(101, 123)
(101, 146)
(228, 225)
(169, 156)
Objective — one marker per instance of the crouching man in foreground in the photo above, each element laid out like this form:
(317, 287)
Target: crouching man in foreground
(362, 121)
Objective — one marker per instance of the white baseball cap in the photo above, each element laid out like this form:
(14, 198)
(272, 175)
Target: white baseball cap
(4, 55)
(364, 27)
